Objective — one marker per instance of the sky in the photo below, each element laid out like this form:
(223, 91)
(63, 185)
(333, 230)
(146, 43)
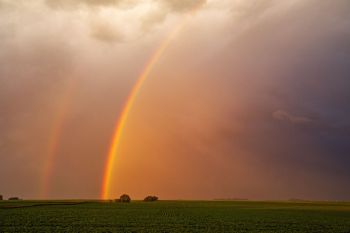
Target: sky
(249, 99)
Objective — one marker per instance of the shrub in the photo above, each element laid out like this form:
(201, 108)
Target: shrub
(151, 198)
(14, 199)
(124, 198)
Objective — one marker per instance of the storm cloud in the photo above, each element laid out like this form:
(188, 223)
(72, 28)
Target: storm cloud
(250, 97)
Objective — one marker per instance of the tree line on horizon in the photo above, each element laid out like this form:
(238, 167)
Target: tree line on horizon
(10, 198)
(125, 198)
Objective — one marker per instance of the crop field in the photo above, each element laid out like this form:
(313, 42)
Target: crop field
(174, 216)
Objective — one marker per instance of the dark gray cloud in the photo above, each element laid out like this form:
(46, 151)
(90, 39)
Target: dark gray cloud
(74, 3)
(289, 68)
(285, 116)
(106, 33)
(172, 5)
(167, 7)
(184, 5)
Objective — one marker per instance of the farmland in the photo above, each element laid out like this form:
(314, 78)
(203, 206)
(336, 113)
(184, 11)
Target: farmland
(174, 216)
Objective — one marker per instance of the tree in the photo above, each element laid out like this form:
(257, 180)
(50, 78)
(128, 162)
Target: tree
(124, 198)
(151, 198)
(1, 198)
(14, 199)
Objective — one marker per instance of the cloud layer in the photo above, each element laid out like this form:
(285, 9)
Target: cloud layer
(250, 98)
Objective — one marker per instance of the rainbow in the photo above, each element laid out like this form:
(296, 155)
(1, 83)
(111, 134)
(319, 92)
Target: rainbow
(121, 123)
(55, 136)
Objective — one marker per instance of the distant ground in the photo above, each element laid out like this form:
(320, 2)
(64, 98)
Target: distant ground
(174, 216)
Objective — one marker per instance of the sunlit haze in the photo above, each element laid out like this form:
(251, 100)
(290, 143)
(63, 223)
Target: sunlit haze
(192, 99)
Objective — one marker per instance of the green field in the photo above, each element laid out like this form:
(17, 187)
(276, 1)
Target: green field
(174, 216)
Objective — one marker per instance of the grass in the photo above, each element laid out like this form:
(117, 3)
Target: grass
(174, 216)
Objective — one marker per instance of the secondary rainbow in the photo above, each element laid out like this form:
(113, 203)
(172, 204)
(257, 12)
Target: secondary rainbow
(121, 123)
(55, 136)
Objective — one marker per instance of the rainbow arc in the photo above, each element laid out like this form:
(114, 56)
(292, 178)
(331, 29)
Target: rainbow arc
(121, 123)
